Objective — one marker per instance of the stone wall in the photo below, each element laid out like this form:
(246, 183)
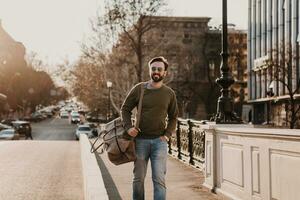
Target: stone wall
(242, 162)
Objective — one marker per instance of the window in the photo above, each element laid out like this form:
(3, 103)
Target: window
(211, 68)
(186, 35)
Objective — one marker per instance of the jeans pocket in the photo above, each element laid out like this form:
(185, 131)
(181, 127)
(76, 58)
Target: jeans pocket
(162, 139)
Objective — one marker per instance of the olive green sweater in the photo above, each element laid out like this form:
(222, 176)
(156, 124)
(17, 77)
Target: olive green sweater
(158, 105)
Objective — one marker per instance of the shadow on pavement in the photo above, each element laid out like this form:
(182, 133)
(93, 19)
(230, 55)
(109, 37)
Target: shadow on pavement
(109, 183)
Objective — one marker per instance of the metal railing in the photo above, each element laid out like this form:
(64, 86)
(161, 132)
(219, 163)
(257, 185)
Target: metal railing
(188, 143)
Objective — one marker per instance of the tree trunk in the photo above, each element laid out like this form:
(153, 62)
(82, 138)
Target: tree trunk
(293, 115)
(140, 59)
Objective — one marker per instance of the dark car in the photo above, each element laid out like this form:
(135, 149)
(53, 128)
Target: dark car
(8, 121)
(22, 127)
(4, 126)
(37, 116)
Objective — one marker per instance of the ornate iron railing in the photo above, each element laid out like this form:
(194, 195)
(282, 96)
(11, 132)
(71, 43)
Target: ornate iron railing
(188, 142)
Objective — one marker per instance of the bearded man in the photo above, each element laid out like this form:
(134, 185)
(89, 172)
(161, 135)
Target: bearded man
(157, 123)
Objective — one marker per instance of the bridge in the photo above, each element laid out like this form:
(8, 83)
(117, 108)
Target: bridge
(55, 166)
(234, 161)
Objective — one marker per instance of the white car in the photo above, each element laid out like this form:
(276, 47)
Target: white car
(64, 114)
(83, 129)
(74, 112)
(75, 118)
(9, 134)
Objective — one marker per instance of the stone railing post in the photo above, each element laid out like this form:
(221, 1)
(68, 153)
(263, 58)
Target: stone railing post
(170, 147)
(191, 145)
(178, 139)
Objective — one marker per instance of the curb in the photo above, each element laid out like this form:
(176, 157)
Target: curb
(94, 188)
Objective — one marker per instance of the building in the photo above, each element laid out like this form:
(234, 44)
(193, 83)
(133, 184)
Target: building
(12, 62)
(193, 50)
(11, 51)
(273, 59)
(237, 62)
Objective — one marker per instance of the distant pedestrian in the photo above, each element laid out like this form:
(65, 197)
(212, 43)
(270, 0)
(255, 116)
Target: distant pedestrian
(28, 133)
(159, 104)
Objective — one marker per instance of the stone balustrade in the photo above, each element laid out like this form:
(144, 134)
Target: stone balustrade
(242, 162)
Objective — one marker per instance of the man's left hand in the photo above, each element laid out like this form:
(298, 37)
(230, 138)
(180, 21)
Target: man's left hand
(164, 138)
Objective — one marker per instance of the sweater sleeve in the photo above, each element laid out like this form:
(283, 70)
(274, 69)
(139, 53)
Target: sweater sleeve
(172, 116)
(130, 102)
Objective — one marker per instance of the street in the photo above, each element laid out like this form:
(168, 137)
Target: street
(36, 169)
(53, 129)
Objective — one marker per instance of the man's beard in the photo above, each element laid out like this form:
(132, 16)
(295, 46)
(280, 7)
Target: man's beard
(157, 78)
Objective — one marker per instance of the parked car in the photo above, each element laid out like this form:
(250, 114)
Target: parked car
(9, 134)
(8, 121)
(4, 126)
(37, 116)
(47, 112)
(83, 129)
(22, 127)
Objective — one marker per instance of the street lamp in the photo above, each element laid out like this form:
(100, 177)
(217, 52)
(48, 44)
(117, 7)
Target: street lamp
(270, 93)
(225, 113)
(109, 85)
(3, 97)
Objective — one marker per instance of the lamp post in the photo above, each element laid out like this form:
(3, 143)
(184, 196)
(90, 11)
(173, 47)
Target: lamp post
(270, 93)
(225, 114)
(3, 97)
(109, 85)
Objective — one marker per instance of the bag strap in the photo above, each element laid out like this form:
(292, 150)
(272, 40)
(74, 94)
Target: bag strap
(93, 148)
(139, 111)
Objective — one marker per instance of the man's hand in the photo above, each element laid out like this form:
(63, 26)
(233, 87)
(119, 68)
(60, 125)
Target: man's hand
(164, 138)
(132, 132)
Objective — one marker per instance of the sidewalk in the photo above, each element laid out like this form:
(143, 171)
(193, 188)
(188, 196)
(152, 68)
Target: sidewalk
(183, 181)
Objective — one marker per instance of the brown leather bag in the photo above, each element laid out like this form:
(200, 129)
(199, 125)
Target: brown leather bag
(120, 147)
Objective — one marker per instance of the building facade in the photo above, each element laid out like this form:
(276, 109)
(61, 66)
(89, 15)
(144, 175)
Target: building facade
(11, 51)
(193, 50)
(273, 59)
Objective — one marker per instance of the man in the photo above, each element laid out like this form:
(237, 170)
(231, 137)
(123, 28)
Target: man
(159, 104)
(28, 132)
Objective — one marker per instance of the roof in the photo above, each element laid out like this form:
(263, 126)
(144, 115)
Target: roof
(5, 38)
(20, 122)
(181, 19)
(84, 125)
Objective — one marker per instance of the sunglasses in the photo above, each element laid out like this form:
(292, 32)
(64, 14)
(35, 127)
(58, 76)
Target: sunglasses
(159, 69)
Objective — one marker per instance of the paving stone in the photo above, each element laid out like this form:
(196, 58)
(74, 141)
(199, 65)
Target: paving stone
(183, 181)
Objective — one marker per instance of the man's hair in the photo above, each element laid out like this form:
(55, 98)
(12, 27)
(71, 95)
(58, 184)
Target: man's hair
(159, 59)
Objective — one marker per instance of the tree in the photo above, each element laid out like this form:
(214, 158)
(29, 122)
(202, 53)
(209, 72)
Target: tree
(115, 51)
(132, 19)
(91, 74)
(282, 73)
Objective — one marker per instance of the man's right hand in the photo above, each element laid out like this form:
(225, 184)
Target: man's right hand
(132, 132)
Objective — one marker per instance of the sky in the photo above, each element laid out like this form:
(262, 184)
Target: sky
(54, 28)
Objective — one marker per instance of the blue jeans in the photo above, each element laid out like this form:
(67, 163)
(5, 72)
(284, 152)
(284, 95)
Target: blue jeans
(156, 150)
